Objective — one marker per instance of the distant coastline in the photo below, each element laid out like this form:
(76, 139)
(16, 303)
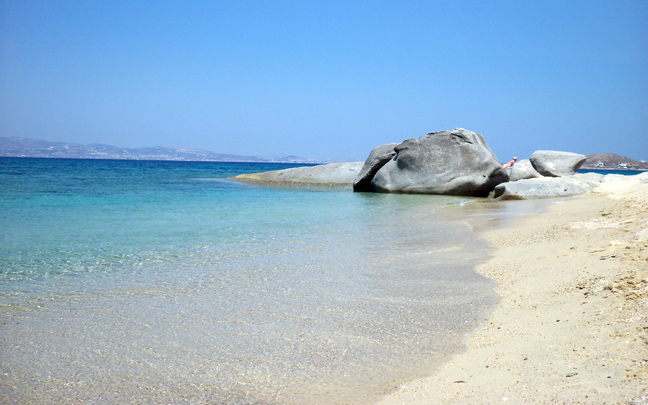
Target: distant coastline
(611, 161)
(35, 148)
(280, 163)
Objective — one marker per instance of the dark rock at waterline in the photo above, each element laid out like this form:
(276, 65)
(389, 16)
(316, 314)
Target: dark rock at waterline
(378, 157)
(456, 162)
(556, 164)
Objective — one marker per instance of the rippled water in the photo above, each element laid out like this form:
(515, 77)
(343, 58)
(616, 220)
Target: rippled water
(124, 281)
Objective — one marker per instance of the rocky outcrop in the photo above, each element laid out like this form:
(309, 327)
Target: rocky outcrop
(523, 170)
(456, 162)
(378, 157)
(333, 175)
(547, 174)
(593, 177)
(546, 187)
(556, 164)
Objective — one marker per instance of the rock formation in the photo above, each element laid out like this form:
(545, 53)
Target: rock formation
(336, 175)
(523, 170)
(456, 162)
(548, 174)
(556, 164)
(552, 187)
(544, 187)
(378, 157)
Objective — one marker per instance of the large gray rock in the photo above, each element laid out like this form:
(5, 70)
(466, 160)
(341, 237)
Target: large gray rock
(544, 187)
(556, 164)
(612, 178)
(523, 170)
(336, 175)
(595, 178)
(456, 162)
(377, 159)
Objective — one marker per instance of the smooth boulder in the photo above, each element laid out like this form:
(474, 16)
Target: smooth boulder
(378, 157)
(456, 162)
(335, 175)
(523, 170)
(544, 187)
(551, 163)
(596, 178)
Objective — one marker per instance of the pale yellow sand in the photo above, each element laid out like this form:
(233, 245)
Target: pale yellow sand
(572, 323)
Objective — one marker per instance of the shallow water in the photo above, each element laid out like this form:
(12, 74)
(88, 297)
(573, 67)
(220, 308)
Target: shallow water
(126, 282)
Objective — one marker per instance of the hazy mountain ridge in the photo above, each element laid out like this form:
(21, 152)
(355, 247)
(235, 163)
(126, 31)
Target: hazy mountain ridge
(612, 161)
(26, 147)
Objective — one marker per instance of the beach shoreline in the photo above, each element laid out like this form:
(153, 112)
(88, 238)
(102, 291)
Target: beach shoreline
(571, 325)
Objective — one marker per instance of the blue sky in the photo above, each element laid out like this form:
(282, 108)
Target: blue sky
(327, 79)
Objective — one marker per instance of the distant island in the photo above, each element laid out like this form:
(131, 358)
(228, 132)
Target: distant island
(610, 161)
(35, 148)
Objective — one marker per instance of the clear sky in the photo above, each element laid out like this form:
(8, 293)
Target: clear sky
(327, 79)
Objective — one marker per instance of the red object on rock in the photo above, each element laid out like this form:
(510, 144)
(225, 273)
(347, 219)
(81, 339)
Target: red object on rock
(510, 163)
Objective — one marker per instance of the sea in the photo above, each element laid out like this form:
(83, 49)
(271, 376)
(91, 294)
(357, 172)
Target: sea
(612, 171)
(168, 282)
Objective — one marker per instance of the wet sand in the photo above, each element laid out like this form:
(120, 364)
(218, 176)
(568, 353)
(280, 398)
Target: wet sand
(572, 322)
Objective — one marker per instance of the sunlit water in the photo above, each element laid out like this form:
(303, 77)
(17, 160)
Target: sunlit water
(164, 282)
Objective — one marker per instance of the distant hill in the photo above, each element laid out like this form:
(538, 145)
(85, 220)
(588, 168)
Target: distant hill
(24, 147)
(611, 161)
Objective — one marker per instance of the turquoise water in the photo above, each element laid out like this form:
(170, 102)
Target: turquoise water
(149, 282)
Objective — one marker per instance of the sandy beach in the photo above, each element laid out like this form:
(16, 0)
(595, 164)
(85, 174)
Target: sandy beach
(572, 322)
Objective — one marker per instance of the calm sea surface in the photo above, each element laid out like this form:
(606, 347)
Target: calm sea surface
(164, 282)
(605, 172)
